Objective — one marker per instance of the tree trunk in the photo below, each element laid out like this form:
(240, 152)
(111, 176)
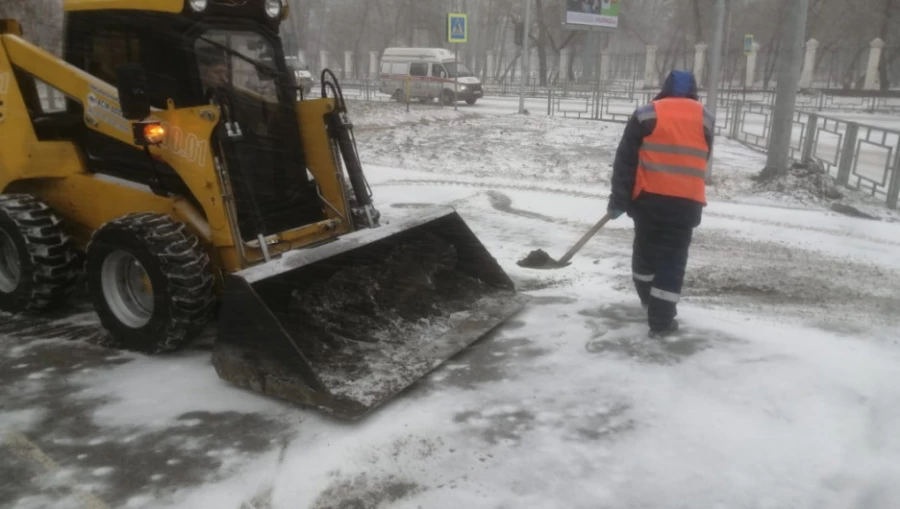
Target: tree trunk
(541, 43)
(698, 21)
(501, 54)
(411, 23)
(885, 81)
(512, 64)
(775, 48)
(299, 18)
(357, 64)
(851, 75)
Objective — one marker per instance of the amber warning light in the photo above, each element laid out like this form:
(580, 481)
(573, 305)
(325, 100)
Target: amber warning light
(149, 133)
(154, 133)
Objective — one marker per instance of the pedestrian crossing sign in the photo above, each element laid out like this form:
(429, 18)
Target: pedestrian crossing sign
(457, 28)
(748, 44)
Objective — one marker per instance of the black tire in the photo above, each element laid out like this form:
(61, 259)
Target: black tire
(179, 273)
(448, 98)
(470, 100)
(39, 265)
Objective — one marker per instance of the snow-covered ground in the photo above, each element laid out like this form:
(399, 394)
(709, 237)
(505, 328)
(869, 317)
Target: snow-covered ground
(780, 392)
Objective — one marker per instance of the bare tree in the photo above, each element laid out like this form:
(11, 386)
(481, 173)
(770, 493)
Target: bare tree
(41, 21)
(844, 31)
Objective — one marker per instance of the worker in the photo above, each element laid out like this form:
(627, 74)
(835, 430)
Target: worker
(214, 70)
(659, 180)
(214, 75)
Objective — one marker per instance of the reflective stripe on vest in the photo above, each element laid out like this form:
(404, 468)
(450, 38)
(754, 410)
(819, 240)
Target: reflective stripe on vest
(673, 158)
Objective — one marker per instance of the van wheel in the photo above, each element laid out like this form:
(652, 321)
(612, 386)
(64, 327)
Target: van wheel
(39, 266)
(398, 96)
(448, 98)
(151, 282)
(470, 100)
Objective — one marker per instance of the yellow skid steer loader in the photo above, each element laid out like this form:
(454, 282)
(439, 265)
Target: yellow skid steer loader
(186, 176)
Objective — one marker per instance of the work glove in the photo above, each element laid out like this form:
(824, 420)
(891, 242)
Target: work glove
(615, 212)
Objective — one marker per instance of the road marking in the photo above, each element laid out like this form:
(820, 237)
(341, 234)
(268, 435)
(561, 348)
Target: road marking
(28, 450)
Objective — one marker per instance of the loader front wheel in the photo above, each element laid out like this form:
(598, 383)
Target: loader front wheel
(151, 283)
(39, 266)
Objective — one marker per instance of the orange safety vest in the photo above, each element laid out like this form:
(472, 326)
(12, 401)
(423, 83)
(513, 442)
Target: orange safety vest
(672, 160)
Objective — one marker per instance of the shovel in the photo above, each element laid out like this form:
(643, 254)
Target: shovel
(541, 260)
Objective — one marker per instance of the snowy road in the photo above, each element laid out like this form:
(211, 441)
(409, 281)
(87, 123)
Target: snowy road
(781, 391)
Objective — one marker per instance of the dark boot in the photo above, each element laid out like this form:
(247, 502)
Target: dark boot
(668, 331)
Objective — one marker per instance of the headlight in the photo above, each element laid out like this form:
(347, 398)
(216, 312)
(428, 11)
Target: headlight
(198, 5)
(274, 8)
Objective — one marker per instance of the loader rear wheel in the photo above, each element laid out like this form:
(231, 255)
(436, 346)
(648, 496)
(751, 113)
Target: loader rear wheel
(39, 265)
(151, 282)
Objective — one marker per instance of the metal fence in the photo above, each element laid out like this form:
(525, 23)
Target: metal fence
(859, 156)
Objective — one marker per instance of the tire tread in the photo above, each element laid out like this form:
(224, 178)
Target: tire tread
(186, 267)
(51, 250)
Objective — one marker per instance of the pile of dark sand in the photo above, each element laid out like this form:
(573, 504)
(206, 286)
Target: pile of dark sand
(803, 182)
(416, 285)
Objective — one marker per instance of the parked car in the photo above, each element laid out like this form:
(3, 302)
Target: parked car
(302, 74)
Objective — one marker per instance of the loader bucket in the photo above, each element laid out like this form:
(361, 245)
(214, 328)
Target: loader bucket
(347, 325)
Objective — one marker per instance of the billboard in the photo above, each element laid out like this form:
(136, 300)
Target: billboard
(591, 14)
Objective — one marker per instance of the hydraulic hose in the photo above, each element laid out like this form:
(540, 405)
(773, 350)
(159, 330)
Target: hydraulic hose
(341, 131)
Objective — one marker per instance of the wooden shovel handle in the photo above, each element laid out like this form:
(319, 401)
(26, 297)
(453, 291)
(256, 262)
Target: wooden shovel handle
(587, 236)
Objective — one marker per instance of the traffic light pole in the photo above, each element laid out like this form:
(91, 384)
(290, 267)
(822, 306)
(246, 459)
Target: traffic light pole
(456, 80)
(715, 66)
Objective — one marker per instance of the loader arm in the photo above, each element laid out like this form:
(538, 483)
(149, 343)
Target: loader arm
(19, 157)
(68, 79)
(103, 115)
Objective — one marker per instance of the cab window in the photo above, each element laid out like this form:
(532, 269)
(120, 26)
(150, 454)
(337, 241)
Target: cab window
(438, 71)
(242, 60)
(101, 45)
(107, 50)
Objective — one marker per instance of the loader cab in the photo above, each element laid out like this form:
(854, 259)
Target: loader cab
(229, 54)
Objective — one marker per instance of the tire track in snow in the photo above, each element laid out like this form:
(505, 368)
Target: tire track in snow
(487, 185)
(24, 448)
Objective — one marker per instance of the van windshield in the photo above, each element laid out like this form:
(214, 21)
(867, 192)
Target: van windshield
(463, 70)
